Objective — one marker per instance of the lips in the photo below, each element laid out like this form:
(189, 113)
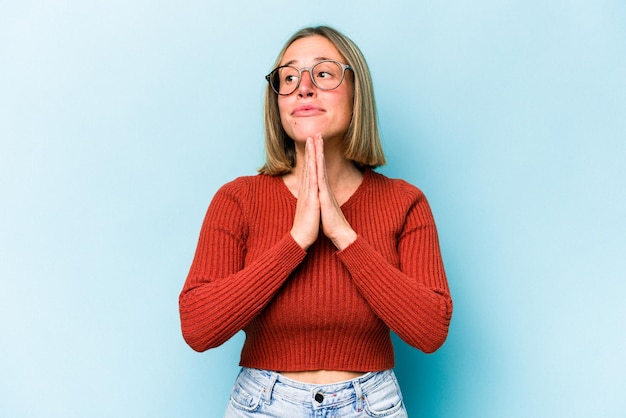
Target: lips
(307, 110)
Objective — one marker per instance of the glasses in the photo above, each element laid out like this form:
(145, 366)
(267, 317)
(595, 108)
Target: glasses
(326, 75)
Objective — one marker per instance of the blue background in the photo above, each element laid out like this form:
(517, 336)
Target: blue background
(120, 119)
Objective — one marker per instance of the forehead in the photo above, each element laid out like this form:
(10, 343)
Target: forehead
(308, 50)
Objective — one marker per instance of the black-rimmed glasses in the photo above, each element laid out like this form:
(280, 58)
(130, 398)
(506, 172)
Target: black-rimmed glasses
(326, 75)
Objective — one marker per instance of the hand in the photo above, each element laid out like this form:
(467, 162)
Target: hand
(306, 223)
(334, 224)
(317, 203)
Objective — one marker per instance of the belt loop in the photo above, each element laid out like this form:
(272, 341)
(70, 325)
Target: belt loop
(269, 388)
(359, 394)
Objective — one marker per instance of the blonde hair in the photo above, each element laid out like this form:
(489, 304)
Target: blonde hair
(362, 142)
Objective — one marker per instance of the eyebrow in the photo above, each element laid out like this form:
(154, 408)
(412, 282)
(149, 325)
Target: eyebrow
(318, 59)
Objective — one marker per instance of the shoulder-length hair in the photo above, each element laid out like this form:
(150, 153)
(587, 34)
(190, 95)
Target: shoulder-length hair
(362, 141)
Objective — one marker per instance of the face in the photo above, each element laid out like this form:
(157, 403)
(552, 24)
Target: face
(309, 110)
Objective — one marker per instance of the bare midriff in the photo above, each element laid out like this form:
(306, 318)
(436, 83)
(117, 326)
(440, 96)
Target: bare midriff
(322, 377)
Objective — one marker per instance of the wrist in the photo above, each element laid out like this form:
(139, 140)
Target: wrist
(303, 241)
(344, 240)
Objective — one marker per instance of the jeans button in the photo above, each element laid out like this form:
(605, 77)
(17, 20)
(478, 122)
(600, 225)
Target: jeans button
(319, 397)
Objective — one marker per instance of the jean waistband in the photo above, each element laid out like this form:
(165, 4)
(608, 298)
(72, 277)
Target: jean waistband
(275, 384)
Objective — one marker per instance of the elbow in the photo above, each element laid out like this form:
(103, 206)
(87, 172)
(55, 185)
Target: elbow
(194, 339)
(195, 343)
(203, 338)
(434, 332)
(200, 340)
(441, 326)
(195, 327)
(198, 335)
(428, 338)
(434, 344)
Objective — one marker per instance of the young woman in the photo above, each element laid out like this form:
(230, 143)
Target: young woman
(318, 257)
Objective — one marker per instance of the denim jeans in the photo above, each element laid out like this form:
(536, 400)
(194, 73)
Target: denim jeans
(267, 394)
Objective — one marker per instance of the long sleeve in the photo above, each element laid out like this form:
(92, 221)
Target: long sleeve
(412, 297)
(223, 293)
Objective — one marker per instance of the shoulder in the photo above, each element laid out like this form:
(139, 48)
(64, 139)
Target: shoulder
(394, 187)
(401, 197)
(240, 195)
(247, 185)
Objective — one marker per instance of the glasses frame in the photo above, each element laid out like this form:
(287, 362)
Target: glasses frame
(344, 67)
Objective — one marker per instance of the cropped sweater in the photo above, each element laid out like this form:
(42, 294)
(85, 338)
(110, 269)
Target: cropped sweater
(323, 308)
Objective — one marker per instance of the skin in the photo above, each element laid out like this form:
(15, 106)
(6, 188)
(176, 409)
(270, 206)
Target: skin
(322, 179)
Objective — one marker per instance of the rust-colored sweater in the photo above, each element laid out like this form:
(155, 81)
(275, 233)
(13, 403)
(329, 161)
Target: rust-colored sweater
(320, 309)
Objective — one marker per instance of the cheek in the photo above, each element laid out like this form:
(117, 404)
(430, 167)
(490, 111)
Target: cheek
(284, 114)
(346, 101)
(347, 108)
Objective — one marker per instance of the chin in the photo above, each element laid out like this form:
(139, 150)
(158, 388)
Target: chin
(306, 130)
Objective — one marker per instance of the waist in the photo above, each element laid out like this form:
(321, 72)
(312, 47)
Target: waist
(322, 376)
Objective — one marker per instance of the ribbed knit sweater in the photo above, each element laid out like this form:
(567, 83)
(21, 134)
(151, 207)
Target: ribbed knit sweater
(323, 308)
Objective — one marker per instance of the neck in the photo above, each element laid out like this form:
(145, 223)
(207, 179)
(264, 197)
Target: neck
(339, 169)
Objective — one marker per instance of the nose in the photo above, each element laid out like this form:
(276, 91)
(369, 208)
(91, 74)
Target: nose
(306, 87)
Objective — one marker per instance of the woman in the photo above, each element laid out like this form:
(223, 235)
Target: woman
(318, 257)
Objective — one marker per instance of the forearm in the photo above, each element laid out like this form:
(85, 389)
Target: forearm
(214, 308)
(415, 303)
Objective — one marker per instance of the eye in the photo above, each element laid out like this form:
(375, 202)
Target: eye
(323, 74)
(288, 75)
(290, 79)
(327, 70)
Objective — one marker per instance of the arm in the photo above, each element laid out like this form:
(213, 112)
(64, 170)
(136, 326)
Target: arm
(413, 299)
(222, 295)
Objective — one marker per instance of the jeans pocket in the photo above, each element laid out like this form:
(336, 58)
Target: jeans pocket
(385, 400)
(246, 396)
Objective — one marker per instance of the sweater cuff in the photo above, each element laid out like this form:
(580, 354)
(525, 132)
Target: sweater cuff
(357, 255)
(289, 252)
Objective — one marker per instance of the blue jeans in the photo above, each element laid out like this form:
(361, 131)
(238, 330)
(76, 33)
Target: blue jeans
(267, 394)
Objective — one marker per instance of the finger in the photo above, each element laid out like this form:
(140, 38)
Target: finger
(321, 162)
(323, 183)
(311, 166)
